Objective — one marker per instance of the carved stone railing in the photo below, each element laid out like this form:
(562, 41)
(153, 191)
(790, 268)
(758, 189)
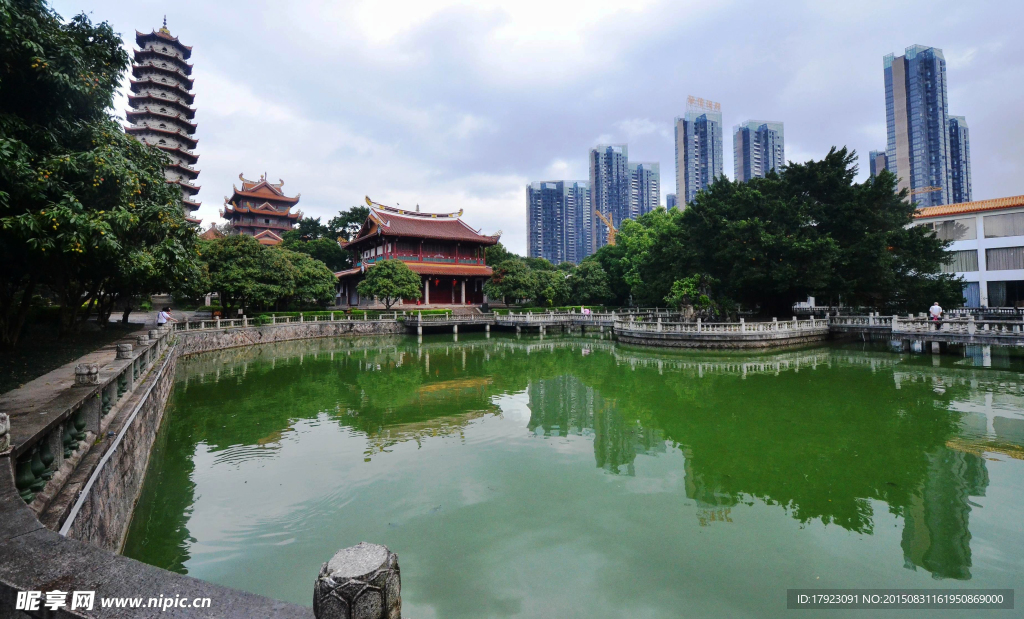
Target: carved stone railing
(741, 327)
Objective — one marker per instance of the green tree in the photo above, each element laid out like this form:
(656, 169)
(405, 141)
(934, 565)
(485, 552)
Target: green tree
(610, 259)
(308, 229)
(246, 274)
(539, 264)
(390, 281)
(347, 223)
(325, 249)
(694, 292)
(551, 288)
(589, 284)
(496, 254)
(70, 196)
(314, 281)
(511, 279)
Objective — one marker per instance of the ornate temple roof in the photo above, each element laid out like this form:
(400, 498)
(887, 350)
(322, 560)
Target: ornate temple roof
(268, 238)
(163, 34)
(390, 221)
(261, 189)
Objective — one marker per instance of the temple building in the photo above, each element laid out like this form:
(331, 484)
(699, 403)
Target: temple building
(443, 250)
(161, 111)
(260, 209)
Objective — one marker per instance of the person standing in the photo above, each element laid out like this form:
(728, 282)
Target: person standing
(163, 316)
(935, 311)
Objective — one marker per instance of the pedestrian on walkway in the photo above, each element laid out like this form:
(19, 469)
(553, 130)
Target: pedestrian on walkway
(935, 311)
(163, 316)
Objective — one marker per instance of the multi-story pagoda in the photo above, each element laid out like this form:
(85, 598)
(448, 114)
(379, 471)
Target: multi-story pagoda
(161, 108)
(443, 250)
(260, 209)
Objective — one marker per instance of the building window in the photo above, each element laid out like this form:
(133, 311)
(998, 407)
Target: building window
(266, 221)
(954, 229)
(1011, 224)
(1006, 294)
(963, 261)
(1004, 258)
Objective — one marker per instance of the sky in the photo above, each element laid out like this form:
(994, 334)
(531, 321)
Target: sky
(458, 104)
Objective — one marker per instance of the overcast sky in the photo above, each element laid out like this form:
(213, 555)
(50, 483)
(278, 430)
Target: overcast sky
(459, 104)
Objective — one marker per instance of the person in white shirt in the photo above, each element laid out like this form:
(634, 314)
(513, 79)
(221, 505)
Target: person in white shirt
(935, 311)
(163, 316)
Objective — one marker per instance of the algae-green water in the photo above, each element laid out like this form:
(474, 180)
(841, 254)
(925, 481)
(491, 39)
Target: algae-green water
(574, 477)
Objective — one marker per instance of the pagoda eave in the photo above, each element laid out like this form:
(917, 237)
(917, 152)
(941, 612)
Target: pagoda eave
(135, 100)
(193, 220)
(138, 68)
(187, 66)
(182, 152)
(135, 85)
(192, 142)
(144, 112)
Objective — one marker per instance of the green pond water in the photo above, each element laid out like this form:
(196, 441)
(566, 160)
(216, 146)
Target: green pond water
(574, 477)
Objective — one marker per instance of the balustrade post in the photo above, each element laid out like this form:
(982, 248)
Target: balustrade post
(245, 320)
(300, 317)
(659, 324)
(332, 316)
(775, 323)
(743, 325)
(361, 582)
(218, 322)
(796, 323)
(971, 327)
(895, 322)
(698, 324)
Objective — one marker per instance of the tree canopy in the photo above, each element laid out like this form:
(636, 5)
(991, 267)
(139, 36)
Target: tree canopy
(85, 215)
(390, 281)
(809, 230)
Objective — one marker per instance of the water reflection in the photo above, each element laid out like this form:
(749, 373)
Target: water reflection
(825, 436)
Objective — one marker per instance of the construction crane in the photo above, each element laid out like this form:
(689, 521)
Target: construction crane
(608, 222)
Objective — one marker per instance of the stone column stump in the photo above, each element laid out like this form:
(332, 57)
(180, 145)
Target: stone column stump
(124, 351)
(5, 432)
(87, 374)
(361, 582)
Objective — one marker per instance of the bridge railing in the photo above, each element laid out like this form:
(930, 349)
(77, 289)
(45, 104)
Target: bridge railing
(958, 326)
(449, 318)
(775, 326)
(246, 321)
(871, 320)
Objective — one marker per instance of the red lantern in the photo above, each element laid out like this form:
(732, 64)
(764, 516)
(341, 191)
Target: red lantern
(437, 282)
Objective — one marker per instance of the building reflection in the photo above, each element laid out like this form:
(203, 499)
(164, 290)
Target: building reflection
(936, 522)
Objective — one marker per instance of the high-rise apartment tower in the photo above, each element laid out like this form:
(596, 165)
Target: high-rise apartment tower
(610, 188)
(558, 220)
(758, 146)
(959, 159)
(916, 109)
(699, 150)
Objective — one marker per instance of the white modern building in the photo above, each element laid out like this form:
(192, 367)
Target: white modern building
(988, 247)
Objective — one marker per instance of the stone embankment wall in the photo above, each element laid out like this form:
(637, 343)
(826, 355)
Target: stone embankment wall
(722, 341)
(195, 342)
(108, 496)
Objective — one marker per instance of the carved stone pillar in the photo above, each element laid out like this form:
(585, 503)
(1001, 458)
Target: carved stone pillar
(361, 582)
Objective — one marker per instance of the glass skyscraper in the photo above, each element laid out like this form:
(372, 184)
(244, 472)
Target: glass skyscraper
(558, 220)
(610, 189)
(758, 146)
(959, 159)
(645, 188)
(876, 162)
(670, 201)
(699, 150)
(916, 109)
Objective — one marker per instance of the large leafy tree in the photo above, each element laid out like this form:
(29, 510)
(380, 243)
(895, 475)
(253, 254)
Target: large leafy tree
(83, 209)
(610, 259)
(314, 281)
(347, 223)
(589, 283)
(511, 280)
(390, 281)
(552, 287)
(246, 274)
